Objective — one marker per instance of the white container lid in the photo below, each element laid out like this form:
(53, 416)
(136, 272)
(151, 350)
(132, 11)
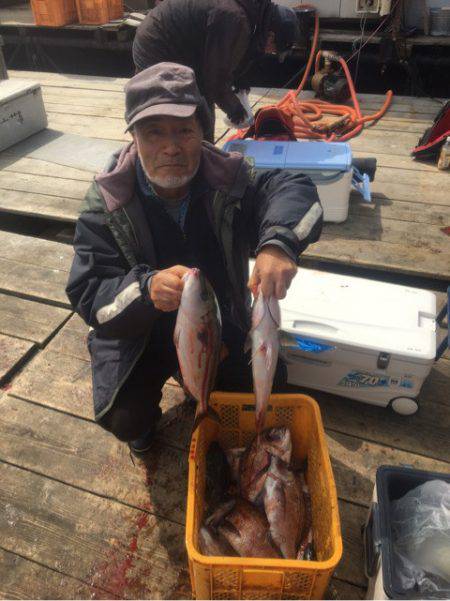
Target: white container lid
(13, 88)
(311, 156)
(361, 313)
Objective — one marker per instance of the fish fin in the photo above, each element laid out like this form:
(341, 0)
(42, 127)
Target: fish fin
(269, 356)
(199, 417)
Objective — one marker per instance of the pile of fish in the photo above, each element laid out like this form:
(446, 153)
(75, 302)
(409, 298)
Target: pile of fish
(257, 505)
(197, 338)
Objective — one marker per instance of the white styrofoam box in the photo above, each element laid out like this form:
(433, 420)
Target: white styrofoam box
(358, 338)
(22, 111)
(328, 164)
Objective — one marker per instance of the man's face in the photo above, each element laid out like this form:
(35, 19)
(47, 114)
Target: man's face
(169, 149)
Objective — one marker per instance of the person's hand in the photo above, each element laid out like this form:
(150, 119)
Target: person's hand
(238, 114)
(166, 287)
(273, 272)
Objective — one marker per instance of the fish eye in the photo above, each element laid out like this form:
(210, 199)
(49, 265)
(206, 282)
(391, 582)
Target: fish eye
(204, 295)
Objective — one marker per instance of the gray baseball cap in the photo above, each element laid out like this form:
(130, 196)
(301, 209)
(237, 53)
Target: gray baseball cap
(163, 89)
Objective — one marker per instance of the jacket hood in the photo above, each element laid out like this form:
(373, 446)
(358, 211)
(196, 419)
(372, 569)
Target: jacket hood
(222, 171)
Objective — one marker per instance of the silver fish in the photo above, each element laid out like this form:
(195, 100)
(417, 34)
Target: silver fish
(284, 506)
(197, 338)
(265, 345)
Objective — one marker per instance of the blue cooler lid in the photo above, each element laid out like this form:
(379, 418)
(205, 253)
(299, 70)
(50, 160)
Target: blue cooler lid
(330, 156)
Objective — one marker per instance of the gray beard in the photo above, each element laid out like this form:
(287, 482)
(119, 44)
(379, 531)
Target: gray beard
(170, 182)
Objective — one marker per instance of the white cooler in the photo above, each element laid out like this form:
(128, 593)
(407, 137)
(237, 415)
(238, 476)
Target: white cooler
(362, 339)
(329, 165)
(22, 111)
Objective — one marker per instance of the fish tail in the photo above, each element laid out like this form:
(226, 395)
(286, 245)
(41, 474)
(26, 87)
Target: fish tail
(201, 415)
(260, 419)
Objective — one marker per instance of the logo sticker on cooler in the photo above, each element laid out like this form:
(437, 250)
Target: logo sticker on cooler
(364, 379)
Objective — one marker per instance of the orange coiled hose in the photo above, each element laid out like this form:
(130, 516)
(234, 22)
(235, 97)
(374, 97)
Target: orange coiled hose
(306, 115)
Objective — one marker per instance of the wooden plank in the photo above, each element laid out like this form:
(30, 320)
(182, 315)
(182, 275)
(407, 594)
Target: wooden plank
(351, 567)
(67, 80)
(413, 178)
(71, 340)
(34, 268)
(35, 252)
(95, 127)
(40, 205)
(24, 579)
(13, 353)
(376, 254)
(339, 589)
(36, 283)
(42, 184)
(17, 163)
(84, 455)
(425, 433)
(355, 462)
(383, 208)
(397, 162)
(58, 381)
(436, 194)
(116, 548)
(420, 236)
(29, 320)
(63, 382)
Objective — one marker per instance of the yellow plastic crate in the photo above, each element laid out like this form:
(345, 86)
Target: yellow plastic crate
(251, 578)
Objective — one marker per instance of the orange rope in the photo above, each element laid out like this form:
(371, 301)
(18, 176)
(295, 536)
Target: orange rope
(306, 115)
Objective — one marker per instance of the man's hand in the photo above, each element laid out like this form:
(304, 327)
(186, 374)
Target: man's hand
(274, 270)
(166, 287)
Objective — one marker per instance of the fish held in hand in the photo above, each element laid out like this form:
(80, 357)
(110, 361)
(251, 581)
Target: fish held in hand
(284, 506)
(256, 460)
(197, 338)
(265, 346)
(246, 529)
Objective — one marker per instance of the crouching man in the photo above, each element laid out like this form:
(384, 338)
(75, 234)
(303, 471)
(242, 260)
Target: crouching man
(169, 201)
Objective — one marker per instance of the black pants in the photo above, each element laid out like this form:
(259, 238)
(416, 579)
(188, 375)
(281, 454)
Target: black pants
(136, 408)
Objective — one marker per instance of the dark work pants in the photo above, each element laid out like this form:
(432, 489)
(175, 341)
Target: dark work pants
(136, 408)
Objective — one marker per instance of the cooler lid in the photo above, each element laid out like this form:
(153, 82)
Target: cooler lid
(329, 156)
(12, 88)
(362, 313)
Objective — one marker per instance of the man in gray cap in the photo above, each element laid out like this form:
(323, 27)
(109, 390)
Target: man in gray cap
(219, 40)
(167, 202)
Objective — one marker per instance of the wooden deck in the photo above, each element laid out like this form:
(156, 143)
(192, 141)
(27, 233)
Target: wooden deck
(79, 519)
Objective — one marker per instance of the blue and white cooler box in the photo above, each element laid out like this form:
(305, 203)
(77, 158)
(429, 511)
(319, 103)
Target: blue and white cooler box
(357, 338)
(329, 164)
